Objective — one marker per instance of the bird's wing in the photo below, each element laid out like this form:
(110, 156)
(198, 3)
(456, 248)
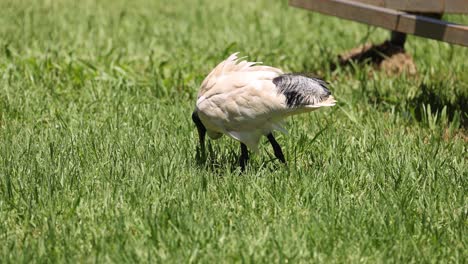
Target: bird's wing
(232, 65)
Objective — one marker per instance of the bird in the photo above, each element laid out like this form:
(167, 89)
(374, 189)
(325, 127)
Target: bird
(247, 100)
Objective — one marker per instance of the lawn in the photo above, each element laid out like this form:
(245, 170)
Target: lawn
(97, 148)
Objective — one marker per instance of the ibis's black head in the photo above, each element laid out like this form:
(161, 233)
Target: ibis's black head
(201, 133)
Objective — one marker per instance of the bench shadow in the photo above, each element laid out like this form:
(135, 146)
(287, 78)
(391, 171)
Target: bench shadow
(436, 96)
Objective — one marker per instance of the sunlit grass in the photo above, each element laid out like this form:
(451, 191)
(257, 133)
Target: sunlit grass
(97, 148)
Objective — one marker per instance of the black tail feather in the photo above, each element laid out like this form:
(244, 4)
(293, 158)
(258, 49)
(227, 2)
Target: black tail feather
(301, 90)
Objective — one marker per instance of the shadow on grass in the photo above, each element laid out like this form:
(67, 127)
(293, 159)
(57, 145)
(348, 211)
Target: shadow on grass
(373, 54)
(208, 160)
(439, 96)
(222, 163)
(447, 99)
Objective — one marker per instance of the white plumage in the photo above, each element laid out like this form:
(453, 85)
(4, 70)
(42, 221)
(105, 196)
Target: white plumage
(247, 101)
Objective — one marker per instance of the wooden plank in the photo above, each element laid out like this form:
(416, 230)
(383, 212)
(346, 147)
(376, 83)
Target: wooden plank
(423, 6)
(389, 19)
(456, 6)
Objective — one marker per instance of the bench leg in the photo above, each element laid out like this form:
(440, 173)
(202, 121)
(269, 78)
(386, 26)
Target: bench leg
(398, 39)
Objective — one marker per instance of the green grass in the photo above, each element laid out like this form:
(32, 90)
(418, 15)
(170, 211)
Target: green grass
(97, 149)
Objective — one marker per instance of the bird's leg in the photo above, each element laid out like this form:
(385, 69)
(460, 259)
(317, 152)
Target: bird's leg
(201, 154)
(276, 148)
(244, 156)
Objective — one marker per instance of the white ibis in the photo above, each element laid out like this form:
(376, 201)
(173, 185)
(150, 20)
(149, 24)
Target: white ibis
(246, 101)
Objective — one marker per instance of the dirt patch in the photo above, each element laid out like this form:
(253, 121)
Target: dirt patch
(387, 57)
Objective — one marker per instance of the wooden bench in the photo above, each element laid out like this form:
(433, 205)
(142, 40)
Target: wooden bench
(417, 17)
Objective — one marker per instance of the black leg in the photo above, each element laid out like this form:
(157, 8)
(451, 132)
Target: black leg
(276, 148)
(201, 155)
(243, 157)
